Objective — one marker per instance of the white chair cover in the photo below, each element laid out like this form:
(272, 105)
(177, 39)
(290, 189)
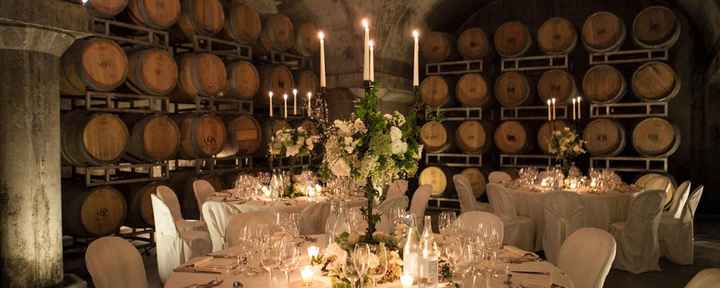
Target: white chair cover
(586, 256)
(168, 197)
(420, 200)
(470, 221)
(677, 235)
(468, 202)
(203, 190)
(386, 208)
(638, 244)
(662, 182)
(397, 189)
(519, 231)
(707, 278)
(498, 177)
(216, 217)
(115, 263)
(679, 198)
(313, 218)
(240, 221)
(174, 246)
(563, 216)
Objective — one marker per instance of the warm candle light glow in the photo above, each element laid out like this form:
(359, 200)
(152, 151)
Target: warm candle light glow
(295, 91)
(365, 23)
(285, 100)
(321, 36)
(309, 104)
(554, 115)
(415, 33)
(313, 251)
(307, 274)
(579, 110)
(366, 50)
(406, 281)
(416, 57)
(549, 108)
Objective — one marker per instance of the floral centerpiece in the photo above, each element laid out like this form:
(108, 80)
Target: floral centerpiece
(566, 145)
(292, 142)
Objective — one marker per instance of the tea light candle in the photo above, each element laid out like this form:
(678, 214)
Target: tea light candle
(406, 281)
(270, 94)
(307, 275)
(313, 251)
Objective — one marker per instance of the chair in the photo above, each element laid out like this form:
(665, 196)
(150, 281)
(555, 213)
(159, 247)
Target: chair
(563, 216)
(587, 256)
(168, 197)
(637, 237)
(216, 217)
(662, 182)
(174, 246)
(203, 190)
(420, 200)
(498, 177)
(707, 278)
(677, 235)
(679, 198)
(468, 202)
(519, 230)
(386, 208)
(313, 218)
(240, 221)
(396, 189)
(115, 263)
(470, 221)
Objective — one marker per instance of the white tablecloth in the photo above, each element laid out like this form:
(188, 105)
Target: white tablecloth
(600, 209)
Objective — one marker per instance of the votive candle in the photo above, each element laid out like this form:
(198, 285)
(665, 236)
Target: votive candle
(406, 281)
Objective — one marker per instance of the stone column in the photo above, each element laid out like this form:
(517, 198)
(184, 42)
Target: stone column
(30, 223)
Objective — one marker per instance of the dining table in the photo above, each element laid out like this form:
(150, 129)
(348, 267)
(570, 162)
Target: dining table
(224, 269)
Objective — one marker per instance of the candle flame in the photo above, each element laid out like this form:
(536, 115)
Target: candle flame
(549, 101)
(365, 23)
(294, 91)
(321, 35)
(270, 94)
(309, 94)
(285, 96)
(371, 43)
(553, 100)
(416, 33)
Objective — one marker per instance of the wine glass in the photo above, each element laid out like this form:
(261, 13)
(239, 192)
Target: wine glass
(446, 222)
(270, 255)
(360, 258)
(377, 273)
(289, 259)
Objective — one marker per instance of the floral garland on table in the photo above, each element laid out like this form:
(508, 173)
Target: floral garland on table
(566, 145)
(292, 142)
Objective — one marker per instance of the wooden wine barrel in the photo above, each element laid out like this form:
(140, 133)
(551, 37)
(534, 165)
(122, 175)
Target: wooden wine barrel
(513, 137)
(477, 180)
(435, 91)
(244, 137)
(201, 135)
(275, 78)
(512, 89)
(604, 137)
(558, 84)
(269, 127)
(306, 81)
(95, 63)
(243, 80)
(603, 32)
(434, 136)
(435, 177)
(153, 71)
(473, 44)
(557, 35)
(655, 81)
(545, 134)
(437, 47)
(242, 23)
(306, 41)
(140, 210)
(278, 34)
(202, 74)
(92, 138)
(201, 17)
(655, 137)
(158, 14)
(105, 8)
(604, 84)
(656, 27)
(512, 39)
(472, 137)
(153, 138)
(472, 90)
(91, 212)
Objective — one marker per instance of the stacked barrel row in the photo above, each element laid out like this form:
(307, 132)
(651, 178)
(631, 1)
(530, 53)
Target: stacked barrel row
(655, 27)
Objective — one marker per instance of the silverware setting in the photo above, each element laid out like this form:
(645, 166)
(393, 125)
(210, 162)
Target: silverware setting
(210, 284)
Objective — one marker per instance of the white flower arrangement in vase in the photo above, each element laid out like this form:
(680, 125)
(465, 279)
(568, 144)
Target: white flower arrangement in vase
(292, 142)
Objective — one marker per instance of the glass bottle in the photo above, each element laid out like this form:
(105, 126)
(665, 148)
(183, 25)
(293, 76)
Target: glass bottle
(410, 252)
(428, 258)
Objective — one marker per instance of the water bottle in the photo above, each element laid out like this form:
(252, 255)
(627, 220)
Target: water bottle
(428, 258)
(410, 253)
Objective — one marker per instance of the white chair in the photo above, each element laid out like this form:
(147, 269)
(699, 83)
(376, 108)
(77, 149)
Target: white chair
(420, 200)
(587, 256)
(202, 190)
(679, 198)
(707, 278)
(168, 197)
(386, 208)
(313, 218)
(498, 177)
(519, 230)
(677, 235)
(115, 263)
(216, 217)
(637, 237)
(468, 202)
(240, 221)
(470, 221)
(662, 182)
(174, 246)
(396, 189)
(563, 216)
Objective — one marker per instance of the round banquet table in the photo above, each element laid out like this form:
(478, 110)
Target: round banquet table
(294, 205)
(190, 279)
(600, 210)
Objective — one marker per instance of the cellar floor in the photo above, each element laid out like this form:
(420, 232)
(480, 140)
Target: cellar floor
(707, 254)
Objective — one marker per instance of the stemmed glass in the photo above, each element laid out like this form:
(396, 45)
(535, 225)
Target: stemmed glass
(446, 222)
(454, 252)
(360, 258)
(270, 257)
(377, 273)
(289, 259)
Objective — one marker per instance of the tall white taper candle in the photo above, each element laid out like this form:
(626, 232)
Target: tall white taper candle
(574, 101)
(295, 101)
(416, 59)
(554, 116)
(579, 99)
(309, 103)
(321, 35)
(372, 60)
(366, 50)
(285, 100)
(270, 94)
(549, 108)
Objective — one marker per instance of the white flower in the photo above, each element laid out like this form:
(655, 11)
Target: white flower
(398, 147)
(399, 118)
(395, 134)
(292, 150)
(343, 127)
(340, 255)
(388, 117)
(340, 168)
(301, 129)
(359, 125)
